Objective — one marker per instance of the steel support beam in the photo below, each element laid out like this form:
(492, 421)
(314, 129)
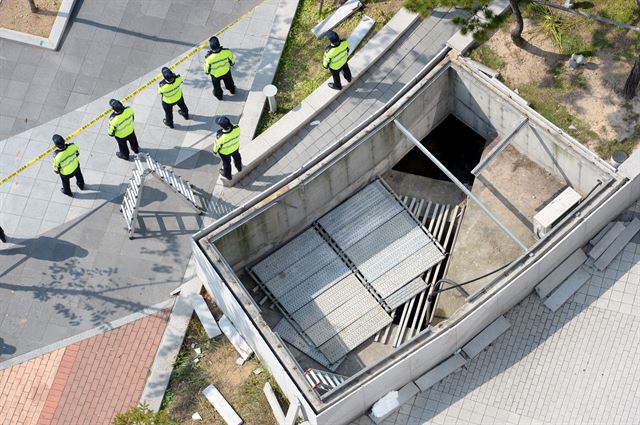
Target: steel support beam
(502, 144)
(458, 183)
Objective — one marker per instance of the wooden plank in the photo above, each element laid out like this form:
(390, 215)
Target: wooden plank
(235, 338)
(440, 372)
(221, 405)
(606, 240)
(204, 314)
(486, 337)
(567, 289)
(561, 273)
(618, 245)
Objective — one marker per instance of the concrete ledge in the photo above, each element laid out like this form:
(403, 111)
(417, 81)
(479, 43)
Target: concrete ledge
(257, 150)
(464, 42)
(53, 41)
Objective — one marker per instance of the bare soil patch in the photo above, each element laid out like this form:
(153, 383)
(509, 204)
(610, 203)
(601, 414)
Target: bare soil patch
(16, 15)
(587, 102)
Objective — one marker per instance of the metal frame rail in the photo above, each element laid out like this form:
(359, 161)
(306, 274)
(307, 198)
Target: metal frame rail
(131, 200)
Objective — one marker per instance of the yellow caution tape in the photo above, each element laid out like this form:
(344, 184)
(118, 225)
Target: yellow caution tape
(126, 98)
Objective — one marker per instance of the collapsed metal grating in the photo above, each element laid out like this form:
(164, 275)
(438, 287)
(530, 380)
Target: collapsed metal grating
(338, 280)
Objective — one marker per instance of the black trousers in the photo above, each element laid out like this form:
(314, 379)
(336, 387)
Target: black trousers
(228, 83)
(168, 109)
(3, 237)
(226, 163)
(335, 73)
(66, 185)
(122, 144)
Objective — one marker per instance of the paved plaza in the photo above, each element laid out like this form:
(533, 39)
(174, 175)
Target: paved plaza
(107, 45)
(576, 366)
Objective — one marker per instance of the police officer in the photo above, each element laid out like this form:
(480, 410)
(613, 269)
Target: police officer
(171, 91)
(218, 63)
(121, 127)
(335, 59)
(227, 145)
(66, 164)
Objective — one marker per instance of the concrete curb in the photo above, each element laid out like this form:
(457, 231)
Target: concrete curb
(263, 146)
(171, 342)
(55, 36)
(87, 334)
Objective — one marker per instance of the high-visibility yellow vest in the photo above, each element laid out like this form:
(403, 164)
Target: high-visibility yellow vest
(227, 143)
(121, 125)
(336, 57)
(171, 92)
(218, 63)
(65, 162)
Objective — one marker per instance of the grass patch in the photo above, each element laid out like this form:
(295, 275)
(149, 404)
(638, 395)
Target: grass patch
(216, 365)
(486, 56)
(300, 69)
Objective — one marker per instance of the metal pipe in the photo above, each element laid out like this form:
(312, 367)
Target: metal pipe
(458, 183)
(498, 148)
(324, 154)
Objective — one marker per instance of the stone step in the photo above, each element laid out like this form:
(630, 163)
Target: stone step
(486, 337)
(440, 372)
(567, 289)
(606, 240)
(561, 273)
(618, 245)
(601, 233)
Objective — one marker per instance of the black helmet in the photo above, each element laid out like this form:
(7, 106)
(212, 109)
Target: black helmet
(58, 140)
(214, 43)
(333, 37)
(168, 75)
(224, 122)
(116, 105)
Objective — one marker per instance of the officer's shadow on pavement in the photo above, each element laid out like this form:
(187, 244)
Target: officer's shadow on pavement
(44, 248)
(6, 349)
(203, 122)
(114, 193)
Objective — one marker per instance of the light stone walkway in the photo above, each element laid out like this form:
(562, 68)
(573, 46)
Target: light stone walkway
(577, 366)
(108, 43)
(68, 265)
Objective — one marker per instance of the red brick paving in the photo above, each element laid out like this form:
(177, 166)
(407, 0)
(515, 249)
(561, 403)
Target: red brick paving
(86, 382)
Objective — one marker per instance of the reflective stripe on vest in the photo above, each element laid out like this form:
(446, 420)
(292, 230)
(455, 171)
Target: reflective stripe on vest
(122, 125)
(336, 57)
(218, 64)
(171, 92)
(228, 143)
(66, 161)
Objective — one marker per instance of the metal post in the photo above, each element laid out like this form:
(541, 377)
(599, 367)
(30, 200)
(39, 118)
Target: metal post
(457, 182)
(270, 91)
(497, 148)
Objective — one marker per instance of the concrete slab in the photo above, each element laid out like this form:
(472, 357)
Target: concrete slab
(235, 338)
(273, 402)
(361, 31)
(342, 13)
(481, 341)
(221, 405)
(616, 247)
(204, 315)
(567, 289)
(440, 372)
(606, 240)
(560, 273)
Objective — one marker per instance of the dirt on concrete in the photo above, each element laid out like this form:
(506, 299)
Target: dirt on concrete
(16, 15)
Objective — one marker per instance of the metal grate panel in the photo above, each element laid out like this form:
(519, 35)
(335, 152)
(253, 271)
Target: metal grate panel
(301, 270)
(340, 293)
(407, 270)
(287, 255)
(405, 293)
(314, 285)
(340, 318)
(289, 334)
(355, 334)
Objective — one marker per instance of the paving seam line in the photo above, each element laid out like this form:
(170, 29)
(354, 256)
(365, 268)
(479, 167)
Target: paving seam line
(105, 327)
(128, 97)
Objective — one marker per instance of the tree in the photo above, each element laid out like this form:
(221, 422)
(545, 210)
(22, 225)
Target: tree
(481, 21)
(32, 5)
